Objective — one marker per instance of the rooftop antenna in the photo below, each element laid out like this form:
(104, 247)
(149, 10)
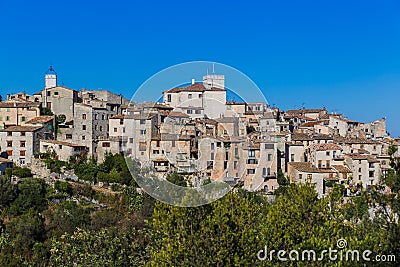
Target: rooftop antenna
(213, 68)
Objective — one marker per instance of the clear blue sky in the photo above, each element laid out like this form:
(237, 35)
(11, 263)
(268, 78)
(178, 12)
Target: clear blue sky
(344, 55)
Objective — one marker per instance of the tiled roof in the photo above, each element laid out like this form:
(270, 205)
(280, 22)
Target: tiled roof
(134, 116)
(341, 168)
(41, 119)
(302, 111)
(14, 104)
(235, 103)
(61, 143)
(310, 123)
(308, 167)
(197, 87)
(362, 157)
(299, 116)
(21, 128)
(324, 147)
(301, 137)
(177, 114)
(351, 140)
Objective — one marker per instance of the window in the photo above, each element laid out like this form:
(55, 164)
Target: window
(142, 146)
(59, 146)
(218, 144)
(23, 118)
(200, 95)
(142, 132)
(95, 127)
(319, 163)
(9, 143)
(210, 165)
(328, 163)
(83, 137)
(83, 116)
(7, 118)
(168, 98)
(8, 109)
(9, 152)
(236, 152)
(48, 93)
(235, 165)
(9, 133)
(269, 157)
(95, 116)
(252, 153)
(22, 133)
(68, 136)
(142, 121)
(84, 127)
(292, 157)
(156, 152)
(106, 144)
(300, 176)
(359, 169)
(212, 146)
(189, 96)
(101, 128)
(115, 130)
(55, 93)
(123, 129)
(173, 143)
(197, 111)
(328, 153)
(251, 171)
(22, 144)
(212, 156)
(22, 153)
(309, 176)
(131, 140)
(252, 161)
(1, 118)
(102, 117)
(49, 105)
(269, 146)
(189, 111)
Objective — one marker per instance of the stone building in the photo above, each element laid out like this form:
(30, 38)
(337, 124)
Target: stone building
(20, 143)
(15, 113)
(63, 150)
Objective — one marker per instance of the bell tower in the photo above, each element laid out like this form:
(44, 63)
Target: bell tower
(50, 78)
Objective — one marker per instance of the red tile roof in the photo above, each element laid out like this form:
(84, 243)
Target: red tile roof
(41, 119)
(197, 87)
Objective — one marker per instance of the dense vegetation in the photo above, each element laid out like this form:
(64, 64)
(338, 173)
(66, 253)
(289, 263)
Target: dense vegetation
(75, 224)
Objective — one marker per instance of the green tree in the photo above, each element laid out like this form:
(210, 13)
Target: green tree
(25, 231)
(107, 247)
(8, 191)
(31, 194)
(223, 233)
(46, 112)
(177, 179)
(66, 217)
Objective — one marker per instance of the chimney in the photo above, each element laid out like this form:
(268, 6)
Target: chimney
(192, 81)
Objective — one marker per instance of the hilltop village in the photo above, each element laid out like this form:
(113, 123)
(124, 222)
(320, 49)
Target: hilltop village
(195, 131)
